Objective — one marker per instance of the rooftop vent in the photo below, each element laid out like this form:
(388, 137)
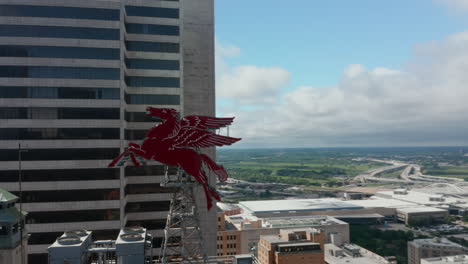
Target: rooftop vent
(436, 198)
(69, 240)
(400, 191)
(131, 237)
(134, 230)
(78, 233)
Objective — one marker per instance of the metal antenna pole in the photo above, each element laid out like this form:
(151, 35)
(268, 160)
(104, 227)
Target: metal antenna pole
(20, 180)
(183, 241)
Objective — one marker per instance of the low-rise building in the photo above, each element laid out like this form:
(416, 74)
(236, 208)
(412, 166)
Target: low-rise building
(13, 236)
(425, 197)
(353, 254)
(459, 259)
(239, 234)
(422, 215)
(304, 245)
(433, 247)
(368, 211)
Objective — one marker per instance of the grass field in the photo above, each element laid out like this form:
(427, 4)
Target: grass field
(392, 174)
(318, 172)
(448, 171)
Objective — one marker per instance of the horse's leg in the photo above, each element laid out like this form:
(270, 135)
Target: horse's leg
(132, 151)
(112, 164)
(134, 160)
(195, 171)
(140, 152)
(134, 145)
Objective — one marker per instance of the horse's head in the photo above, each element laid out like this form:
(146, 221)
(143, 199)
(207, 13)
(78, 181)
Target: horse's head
(164, 113)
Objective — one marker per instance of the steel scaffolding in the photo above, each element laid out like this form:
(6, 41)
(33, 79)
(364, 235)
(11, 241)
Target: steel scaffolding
(183, 240)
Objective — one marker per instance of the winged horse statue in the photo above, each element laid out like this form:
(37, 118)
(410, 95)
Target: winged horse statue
(173, 142)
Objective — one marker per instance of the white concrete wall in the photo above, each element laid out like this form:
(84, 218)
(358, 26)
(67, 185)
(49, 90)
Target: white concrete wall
(199, 87)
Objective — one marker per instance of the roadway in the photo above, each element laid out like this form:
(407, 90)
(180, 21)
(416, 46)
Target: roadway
(411, 174)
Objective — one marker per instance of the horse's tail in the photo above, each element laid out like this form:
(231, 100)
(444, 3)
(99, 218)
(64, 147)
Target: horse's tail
(217, 169)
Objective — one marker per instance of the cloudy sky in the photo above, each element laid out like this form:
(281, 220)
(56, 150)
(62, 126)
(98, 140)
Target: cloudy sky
(343, 73)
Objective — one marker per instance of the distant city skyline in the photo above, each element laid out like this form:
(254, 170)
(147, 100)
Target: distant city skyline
(341, 74)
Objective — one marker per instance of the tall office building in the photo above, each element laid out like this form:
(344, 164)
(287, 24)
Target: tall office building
(75, 79)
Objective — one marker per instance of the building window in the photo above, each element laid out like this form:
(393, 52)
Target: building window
(58, 133)
(162, 82)
(157, 242)
(147, 188)
(59, 52)
(59, 12)
(135, 134)
(60, 72)
(152, 64)
(140, 117)
(73, 216)
(153, 224)
(61, 175)
(59, 32)
(152, 99)
(60, 154)
(154, 206)
(147, 11)
(152, 29)
(149, 170)
(152, 46)
(3, 230)
(59, 92)
(69, 195)
(58, 113)
(43, 238)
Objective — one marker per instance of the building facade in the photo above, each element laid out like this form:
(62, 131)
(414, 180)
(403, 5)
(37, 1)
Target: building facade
(431, 248)
(292, 246)
(76, 77)
(239, 234)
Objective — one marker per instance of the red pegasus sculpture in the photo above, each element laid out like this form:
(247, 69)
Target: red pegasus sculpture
(173, 141)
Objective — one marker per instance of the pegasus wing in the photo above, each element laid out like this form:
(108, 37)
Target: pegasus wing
(199, 138)
(204, 122)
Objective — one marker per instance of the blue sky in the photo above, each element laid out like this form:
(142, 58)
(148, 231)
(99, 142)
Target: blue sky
(343, 72)
(316, 40)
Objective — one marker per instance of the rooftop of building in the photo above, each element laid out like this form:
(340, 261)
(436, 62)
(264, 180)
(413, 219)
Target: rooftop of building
(373, 215)
(292, 205)
(421, 198)
(297, 244)
(6, 196)
(421, 209)
(236, 221)
(459, 188)
(319, 220)
(459, 259)
(323, 204)
(227, 206)
(365, 257)
(275, 239)
(377, 202)
(440, 242)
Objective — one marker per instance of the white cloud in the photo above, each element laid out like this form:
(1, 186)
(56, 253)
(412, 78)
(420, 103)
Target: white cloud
(425, 103)
(252, 84)
(247, 84)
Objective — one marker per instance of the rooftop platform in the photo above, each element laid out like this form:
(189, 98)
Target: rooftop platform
(303, 205)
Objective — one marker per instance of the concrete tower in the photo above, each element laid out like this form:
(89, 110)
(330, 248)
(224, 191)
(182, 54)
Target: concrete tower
(75, 79)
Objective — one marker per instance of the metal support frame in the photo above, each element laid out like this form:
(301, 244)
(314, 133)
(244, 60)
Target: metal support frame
(183, 240)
